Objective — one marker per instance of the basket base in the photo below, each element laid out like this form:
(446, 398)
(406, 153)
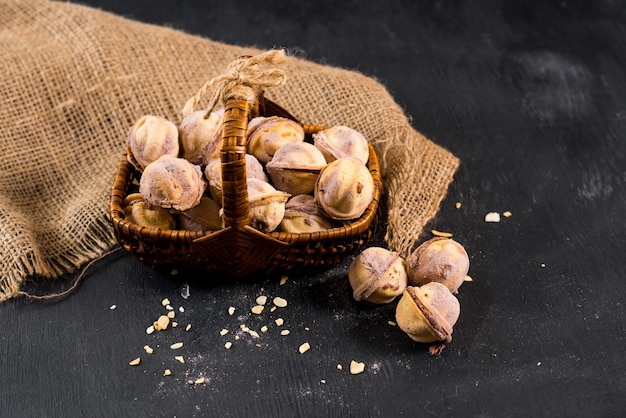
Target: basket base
(239, 250)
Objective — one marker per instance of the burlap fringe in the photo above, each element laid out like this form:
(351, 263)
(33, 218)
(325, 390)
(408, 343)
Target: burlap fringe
(401, 165)
(97, 243)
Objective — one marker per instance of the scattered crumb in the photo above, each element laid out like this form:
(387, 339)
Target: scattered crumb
(280, 302)
(543, 265)
(468, 279)
(457, 205)
(393, 324)
(223, 332)
(492, 217)
(174, 272)
(228, 345)
(323, 381)
(165, 302)
(304, 348)
(253, 333)
(264, 328)
(257, 309)
(306, 328)
(135, 362)
(150, 329)
(441, 234)
(284, 332)
(181, 309)
(176, 346)
(180, 359)
(174, 324)
(148, 349)
(188, 327)
(169, 307)
(167, 372)
(161, 323)
(507, 214)
(356, 367)
(273, 309)
(261, 300)
(236, 337)
(199, 381)
(339, 367)
(436, 348)
(171, 314)
(279, 321)
(283, 280)
(112, 307)
(231, 310)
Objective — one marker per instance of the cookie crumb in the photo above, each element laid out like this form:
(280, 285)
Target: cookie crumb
(492, 217)
(135, 362)
(436, 348)
(304, 348)
(280, 302)
(356, 367)
(161, 323)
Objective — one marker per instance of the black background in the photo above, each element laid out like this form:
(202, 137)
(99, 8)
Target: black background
(530, 96)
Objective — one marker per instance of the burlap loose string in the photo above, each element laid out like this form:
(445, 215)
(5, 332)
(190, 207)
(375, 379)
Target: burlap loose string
(243, 79)
(61, 143)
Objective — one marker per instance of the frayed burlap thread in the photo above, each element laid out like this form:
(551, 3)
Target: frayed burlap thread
(75, 78)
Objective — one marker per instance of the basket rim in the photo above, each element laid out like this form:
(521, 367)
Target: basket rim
(125, 172)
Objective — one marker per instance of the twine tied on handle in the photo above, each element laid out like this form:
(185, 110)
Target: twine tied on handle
(244, 79)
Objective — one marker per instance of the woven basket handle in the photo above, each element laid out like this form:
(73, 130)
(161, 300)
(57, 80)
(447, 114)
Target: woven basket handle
(233, 157)
(240, 88)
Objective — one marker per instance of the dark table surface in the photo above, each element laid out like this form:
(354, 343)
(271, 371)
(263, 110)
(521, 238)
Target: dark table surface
(530, 96)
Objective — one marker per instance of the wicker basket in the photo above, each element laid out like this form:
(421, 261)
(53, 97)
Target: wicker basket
(238, 249)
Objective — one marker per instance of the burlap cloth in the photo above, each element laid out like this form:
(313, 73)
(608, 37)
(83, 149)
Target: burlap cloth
(75, 78)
